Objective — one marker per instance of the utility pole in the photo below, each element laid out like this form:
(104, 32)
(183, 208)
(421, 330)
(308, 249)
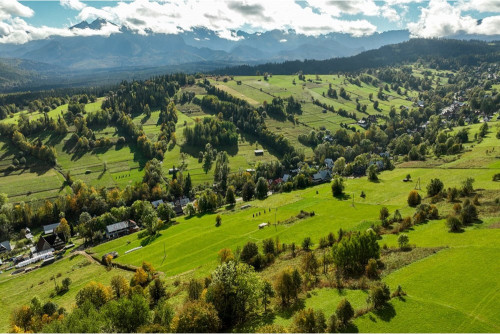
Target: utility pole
(275, 226)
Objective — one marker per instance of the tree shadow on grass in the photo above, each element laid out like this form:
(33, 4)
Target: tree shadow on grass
(343, 197)
(288, 312)
(253, 324)
(349, 328)
(145, 119)
(149, 239)
(385, 313)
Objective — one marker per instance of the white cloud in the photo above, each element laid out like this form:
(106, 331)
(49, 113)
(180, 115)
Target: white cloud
(225, 17)
(337, 8)
(481, 5)
(73, 4)
(442, 19)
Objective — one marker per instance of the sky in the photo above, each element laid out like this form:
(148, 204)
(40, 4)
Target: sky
(23, 21)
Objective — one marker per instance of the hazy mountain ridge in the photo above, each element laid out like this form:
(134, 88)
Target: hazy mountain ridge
(132, 54)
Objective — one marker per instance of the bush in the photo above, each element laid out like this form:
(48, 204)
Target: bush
(384, 213)
(309, 321)
(414, 198)
(371, 269)
(344, 311)
(434, 187)
(403, 241)
(467, 186)
(453, 224)
(379, 295)
(198, 317)
(338, 187)
(469, 213)
(307, 244)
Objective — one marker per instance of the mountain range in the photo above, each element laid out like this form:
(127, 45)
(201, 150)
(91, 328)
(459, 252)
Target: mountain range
(40, 61)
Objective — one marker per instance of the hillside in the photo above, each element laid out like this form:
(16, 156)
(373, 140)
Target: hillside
(301, 191)
(442, 50)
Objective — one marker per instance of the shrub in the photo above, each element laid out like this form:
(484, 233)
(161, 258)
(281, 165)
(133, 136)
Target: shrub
(467, 186)
(198, 317)
(452, 194)
(344, 311)
(379, 295)
(371, 269)
(453, 224)
(434, 187)
(384, 213)
(414, 198)
(309, 321)
(338, 187)
(403, 241)
(469, 213)
(307, 244)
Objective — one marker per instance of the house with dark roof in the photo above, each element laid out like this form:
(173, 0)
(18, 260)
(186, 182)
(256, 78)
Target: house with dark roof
(49, 229)
(157, 203)
(121, 228)
(322, 176)
(5, 246)
(51, 241)
(258, 152)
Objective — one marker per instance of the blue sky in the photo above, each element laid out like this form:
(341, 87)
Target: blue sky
(21, 21)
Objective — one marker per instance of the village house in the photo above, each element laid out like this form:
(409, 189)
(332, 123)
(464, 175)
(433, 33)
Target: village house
(322, 176)
(49, 229)
(329, 163)
(121, 228)
(50, 242)
(157, 203)
(5, 246)
(363, 123)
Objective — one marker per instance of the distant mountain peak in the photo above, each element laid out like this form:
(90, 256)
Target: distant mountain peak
(97, 24)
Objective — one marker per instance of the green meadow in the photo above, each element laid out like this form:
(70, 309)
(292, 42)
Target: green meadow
(20, 289)
(454, 290)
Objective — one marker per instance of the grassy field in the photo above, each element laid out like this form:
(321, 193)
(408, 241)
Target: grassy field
(256, 90)
(124, 164)
(454, 290)
(19, 290)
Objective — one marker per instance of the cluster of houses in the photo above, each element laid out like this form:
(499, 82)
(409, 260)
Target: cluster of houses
(451, 111)
(178, 205)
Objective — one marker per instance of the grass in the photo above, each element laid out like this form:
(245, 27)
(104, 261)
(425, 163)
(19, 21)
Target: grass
(19, 290)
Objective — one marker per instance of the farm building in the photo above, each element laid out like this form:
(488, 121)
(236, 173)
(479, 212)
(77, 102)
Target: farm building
(49, 229)
(51, 241)
(120, 229)
(5, 246)
(258, 152)
(261, 226)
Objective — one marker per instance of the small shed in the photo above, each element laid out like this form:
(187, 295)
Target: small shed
(261, 226)
(258, 152)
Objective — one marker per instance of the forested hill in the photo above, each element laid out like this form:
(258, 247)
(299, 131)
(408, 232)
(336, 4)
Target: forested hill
(444, 52)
